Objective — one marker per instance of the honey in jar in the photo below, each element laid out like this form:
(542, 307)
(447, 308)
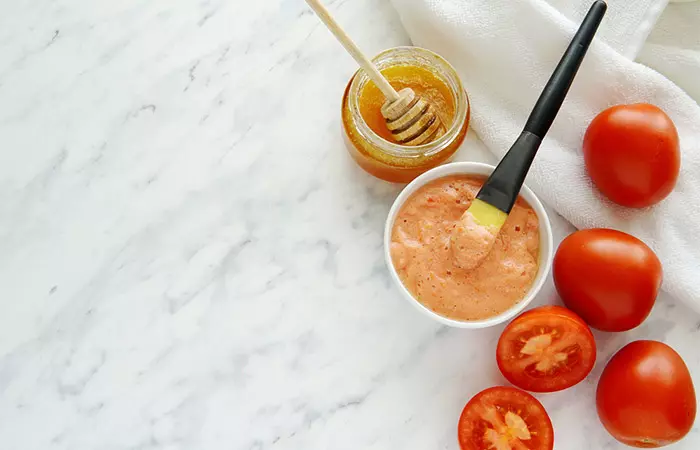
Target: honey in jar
(423, 82)
(368, 139)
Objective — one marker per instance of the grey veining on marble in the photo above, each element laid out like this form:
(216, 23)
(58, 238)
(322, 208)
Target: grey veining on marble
(190, 260)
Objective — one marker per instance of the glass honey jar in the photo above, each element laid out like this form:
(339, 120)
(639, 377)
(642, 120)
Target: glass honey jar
(366, 136)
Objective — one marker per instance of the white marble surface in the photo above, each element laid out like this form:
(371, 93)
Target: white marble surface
(190, 260)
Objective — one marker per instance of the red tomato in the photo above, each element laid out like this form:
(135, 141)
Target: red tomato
(645, 395)
(607, 277)
(505, 417)
(546, 349)
(632, 154)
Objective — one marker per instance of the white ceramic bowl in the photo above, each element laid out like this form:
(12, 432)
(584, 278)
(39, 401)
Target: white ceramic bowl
(546, 245)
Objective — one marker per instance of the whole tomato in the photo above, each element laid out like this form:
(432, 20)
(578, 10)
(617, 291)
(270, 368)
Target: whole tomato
(645, 396)
(607, 277)
(632, 154)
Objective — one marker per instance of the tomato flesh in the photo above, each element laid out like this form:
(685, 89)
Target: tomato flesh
(546, 349)
(505, 418)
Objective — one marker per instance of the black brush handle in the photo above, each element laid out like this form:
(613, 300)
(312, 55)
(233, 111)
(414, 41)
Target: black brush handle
(557, 87)
(503, 186)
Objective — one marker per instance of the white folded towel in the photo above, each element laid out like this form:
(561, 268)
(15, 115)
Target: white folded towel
(505, 51)
(673, 48)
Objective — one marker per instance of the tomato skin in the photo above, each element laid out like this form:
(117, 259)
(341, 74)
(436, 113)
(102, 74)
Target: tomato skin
(632, 154)
(471, 423)
(567, 323)
(609, 278)
(645, 396)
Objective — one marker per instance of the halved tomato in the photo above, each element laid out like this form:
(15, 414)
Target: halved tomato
(505, 418)
(546, 349)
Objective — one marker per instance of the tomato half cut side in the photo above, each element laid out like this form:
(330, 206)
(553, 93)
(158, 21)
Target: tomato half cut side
(505, 418)
(546, 349)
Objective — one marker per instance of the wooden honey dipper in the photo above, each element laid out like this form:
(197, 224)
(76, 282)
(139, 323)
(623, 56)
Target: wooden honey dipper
(410, 119)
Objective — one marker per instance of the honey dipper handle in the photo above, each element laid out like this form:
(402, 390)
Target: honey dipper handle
(364, 62)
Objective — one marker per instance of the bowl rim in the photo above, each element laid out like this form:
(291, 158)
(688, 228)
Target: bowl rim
(545, 257)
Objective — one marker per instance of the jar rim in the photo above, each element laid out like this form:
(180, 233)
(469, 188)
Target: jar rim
(445, 71)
